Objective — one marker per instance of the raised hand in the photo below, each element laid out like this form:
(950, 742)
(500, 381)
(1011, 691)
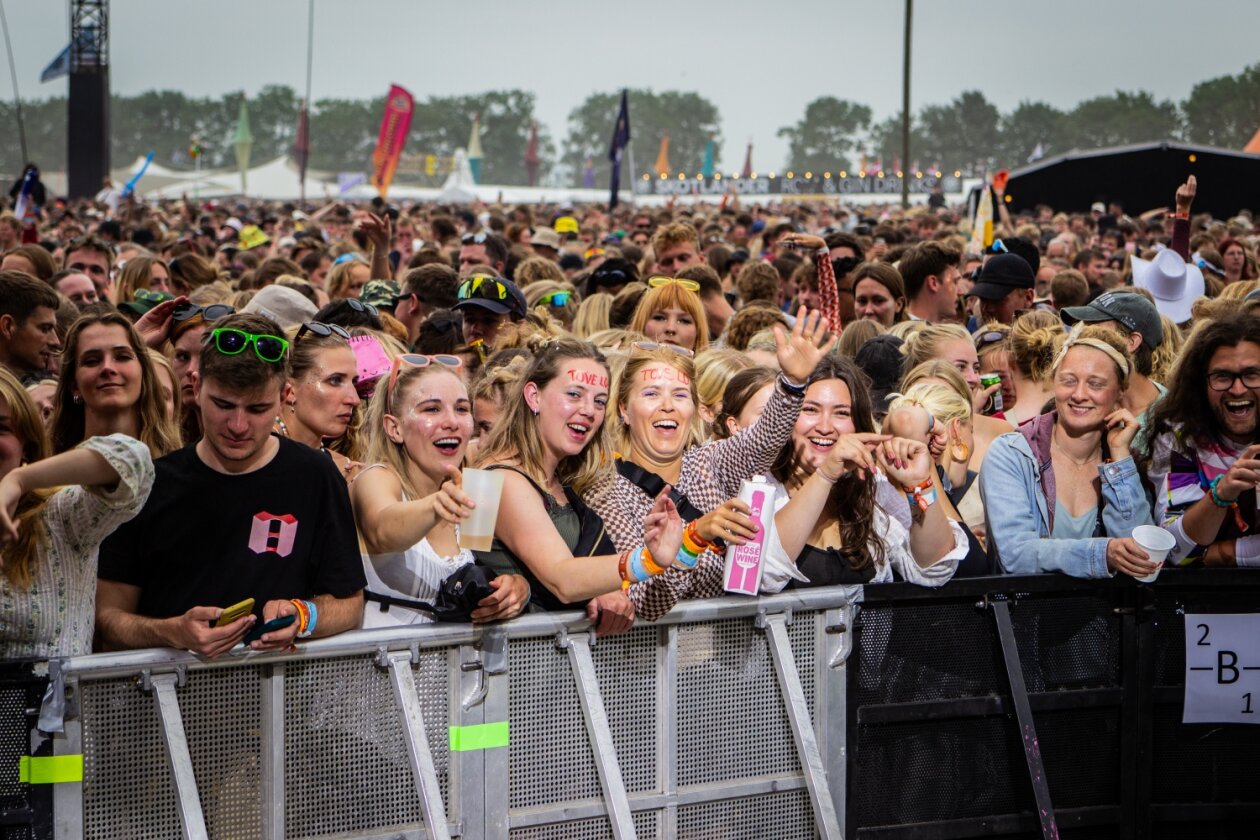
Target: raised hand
(801, 351)
(377, 230)
(1122, 427)
(663, 530)
(1185, 194)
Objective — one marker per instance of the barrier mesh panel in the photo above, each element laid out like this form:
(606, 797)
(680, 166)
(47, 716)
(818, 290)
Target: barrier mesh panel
(19, 691)
(128, 791)
(646, 826)
(782, 816)
(1203, 762)
(336, 709)
(1067, 643)
(732, 723)
(550, 758)
(627, 673)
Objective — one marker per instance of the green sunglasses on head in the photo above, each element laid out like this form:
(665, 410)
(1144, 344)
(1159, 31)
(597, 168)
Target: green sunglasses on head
(269, 348)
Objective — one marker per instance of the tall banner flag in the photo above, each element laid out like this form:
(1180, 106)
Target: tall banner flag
(531, 155)
(59, 66)
(620, 138)
(982, 224)
(707, 169)
(474, 149)
(748, 170)
(302, 146)
(25, 206)
(399, 106)
(243, 143)
(662, 157)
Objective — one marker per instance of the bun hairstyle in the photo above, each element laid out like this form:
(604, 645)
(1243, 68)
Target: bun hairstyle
(1034, 343)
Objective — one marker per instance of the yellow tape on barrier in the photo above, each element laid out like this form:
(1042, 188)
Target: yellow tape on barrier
(50, 770)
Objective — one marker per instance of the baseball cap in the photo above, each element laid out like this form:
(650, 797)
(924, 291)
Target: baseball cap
(382, 294)
(1002, 275)
(881, 360)
(1133, 311)
(493, 293)
(1098, 207)
(144, 301)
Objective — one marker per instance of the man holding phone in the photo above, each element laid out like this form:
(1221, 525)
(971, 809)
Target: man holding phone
(240, 514)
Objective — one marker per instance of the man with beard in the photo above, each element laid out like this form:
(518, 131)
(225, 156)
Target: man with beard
(1205, 458)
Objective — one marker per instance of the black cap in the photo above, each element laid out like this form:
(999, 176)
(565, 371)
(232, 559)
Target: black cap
(1129, 309)
(1002, 275)
(880, 358)
(492, 293)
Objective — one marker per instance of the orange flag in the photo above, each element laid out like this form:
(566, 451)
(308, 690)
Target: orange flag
(395, 124)
(662, 158)
(1253, 146)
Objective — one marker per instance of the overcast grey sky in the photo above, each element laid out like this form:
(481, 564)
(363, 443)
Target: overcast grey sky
(759, 62)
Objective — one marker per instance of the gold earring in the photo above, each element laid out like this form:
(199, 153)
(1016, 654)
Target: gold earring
(959, 451)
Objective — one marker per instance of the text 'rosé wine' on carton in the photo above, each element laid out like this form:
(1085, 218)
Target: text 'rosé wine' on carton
(743, 562)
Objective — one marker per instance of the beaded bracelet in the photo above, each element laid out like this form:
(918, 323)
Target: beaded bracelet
(1221, 503)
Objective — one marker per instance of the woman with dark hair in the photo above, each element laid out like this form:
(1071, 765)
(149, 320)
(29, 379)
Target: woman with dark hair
(349, 313)
(319, 402)
(743, 400)
(189, 273)
(854, 505)
(54, 513)
(1234, 259)
(108, 385)
(879, 293)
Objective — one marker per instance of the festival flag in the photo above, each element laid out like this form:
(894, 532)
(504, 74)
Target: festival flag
(130, 186)
(58, 67)
(1253, 146)
(302, 145)
(243, 142)
(982, 224)
(620, 139)
(24, 205)
(531, 154)
(588, 174)
(395, 123)
(474, 149)
(1037, 153)
(707, 168)
(662, 157)
(748, 170)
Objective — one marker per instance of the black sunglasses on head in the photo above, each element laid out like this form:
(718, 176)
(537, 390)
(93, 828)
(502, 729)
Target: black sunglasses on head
(322, 330)
(213, 312)
(359, 306)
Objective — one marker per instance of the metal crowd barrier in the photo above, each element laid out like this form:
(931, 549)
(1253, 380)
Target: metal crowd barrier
(1043, 707)
(725, 719)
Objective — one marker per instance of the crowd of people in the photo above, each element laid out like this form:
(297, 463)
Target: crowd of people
(247, 423)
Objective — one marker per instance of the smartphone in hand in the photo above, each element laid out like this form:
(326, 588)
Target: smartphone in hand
(234, 612)
(275, 624)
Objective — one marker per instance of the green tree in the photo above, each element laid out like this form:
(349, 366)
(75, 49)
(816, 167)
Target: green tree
(45, 121)
(1029, 125)
(443, 124)
(884, 143)
(823, 139)
(964, 131)
(690, 119)
(1120, 119)
(1224, 111)
(343, 133)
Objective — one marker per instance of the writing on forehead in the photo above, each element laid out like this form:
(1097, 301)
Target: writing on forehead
(582, 377)
(664, 374)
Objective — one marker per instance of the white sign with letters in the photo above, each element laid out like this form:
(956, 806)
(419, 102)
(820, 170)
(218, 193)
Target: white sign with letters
(1222, 669)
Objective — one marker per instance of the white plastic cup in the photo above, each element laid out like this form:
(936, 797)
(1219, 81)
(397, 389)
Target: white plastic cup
(1156, 542)
(485, 487)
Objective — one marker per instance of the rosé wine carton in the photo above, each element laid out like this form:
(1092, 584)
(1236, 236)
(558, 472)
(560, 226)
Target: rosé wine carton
(742, 574)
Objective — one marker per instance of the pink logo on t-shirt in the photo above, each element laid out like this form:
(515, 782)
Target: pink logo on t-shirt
(273, 533)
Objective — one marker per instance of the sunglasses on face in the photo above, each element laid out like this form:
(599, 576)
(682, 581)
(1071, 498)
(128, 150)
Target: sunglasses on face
(230, 342)
(649, 346)
(556, 299)
(660, 280)
(322, 330)
(482, 287)
(213, 312)
(415, 360)
(843, 265)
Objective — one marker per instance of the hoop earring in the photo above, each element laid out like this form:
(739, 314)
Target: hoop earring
(959, 451)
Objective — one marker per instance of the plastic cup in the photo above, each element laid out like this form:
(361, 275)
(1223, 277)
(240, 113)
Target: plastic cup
(1157, 543)
(485, 487)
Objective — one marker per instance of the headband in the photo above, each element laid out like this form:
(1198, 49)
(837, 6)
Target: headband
(1075, 340)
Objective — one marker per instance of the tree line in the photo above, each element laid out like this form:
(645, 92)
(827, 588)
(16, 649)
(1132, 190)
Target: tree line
(832, 134)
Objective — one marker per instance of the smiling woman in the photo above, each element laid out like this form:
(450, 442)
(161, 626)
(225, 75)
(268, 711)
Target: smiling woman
(671, 313)
(108, 385)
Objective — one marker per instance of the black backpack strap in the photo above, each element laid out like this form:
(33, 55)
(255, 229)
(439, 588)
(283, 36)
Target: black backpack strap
(652, 484)
(387, 601)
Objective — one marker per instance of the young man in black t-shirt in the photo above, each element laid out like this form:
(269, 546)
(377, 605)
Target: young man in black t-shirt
(240, 514)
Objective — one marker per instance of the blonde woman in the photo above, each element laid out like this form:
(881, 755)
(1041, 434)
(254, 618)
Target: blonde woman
(714, 369)
(1034, 342)
(552, 300)
(592, 315)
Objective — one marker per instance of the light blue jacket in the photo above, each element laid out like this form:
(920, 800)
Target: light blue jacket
(1013, 485)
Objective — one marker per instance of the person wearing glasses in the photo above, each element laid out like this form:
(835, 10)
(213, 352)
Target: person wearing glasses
(1205, 451)
(240, 514)
(488, 304)
(1062, 493)
(109, 385)
(670, 312)
(408, 501)
(553, 300)
(320, 399)
(661, 443)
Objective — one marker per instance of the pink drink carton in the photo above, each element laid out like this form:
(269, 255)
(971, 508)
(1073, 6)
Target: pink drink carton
(743, 562)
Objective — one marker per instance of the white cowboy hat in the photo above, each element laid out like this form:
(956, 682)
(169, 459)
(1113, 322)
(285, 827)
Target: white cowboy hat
(1175, 283)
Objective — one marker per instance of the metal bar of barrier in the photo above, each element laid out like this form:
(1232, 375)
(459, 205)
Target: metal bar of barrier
(1024, 717)
(825, 818)
(579, 650)
(271, 687)
(423, 771)
(191, 819)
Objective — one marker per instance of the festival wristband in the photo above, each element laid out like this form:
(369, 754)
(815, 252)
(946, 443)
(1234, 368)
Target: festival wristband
(310, 628)
(923, 494)
(303, 615)
(790, 386)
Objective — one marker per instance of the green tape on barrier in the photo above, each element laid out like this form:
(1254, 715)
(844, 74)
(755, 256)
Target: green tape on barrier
(481, 736)
(50, 770)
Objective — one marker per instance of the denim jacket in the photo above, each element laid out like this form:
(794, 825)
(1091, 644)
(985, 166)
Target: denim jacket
(1015, 481)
